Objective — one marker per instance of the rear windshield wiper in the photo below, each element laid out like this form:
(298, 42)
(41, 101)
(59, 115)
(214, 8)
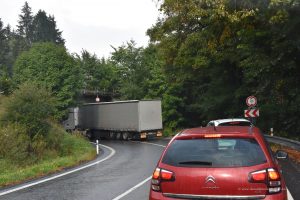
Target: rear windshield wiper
(194, 162)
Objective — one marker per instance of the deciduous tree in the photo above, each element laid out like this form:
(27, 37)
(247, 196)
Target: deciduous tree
(50, 66)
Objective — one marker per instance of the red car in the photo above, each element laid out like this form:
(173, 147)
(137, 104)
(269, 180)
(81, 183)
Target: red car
(231, 162)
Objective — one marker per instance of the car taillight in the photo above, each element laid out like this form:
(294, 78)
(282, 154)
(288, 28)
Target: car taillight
(269, 176)
(273, 175)
(166, 175)
(160, 175)
(258, 176)
(156, 173)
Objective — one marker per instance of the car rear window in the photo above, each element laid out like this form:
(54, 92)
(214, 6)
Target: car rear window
(235, 124)
(214, 153)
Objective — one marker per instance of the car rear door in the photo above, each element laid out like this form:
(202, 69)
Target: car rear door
(213, 167)
(208, 181)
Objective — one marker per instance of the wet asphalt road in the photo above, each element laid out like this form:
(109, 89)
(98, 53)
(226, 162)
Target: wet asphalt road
(291, 173)
(132, 163)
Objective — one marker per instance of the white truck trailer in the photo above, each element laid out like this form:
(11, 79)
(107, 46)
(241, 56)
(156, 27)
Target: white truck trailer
(118, 120)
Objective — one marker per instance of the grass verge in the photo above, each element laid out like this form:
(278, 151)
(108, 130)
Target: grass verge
(79, 151)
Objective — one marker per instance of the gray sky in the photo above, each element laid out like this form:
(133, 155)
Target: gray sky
(92, 25)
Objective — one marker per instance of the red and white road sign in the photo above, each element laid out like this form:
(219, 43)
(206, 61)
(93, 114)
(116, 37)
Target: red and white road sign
(251, 101)
(252, 113)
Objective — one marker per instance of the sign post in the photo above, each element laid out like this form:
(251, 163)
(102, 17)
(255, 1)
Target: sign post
(251, 101)
(97, 99)
(252, 111)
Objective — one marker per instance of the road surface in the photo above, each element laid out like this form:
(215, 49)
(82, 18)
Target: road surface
(124, 175)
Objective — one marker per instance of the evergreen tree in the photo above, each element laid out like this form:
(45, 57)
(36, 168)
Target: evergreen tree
(4, 49)
(45, 30)
(25, 24)
(5, 81)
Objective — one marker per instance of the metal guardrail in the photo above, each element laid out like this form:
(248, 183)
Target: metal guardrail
(284, 141)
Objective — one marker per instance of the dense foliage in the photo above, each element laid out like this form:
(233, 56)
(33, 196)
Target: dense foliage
(218, 52)
(26, 132)
(135, 67)
(4, 48)
(205, 57)
(50, 65)
(39, 80)
(98, 75)
(30, 29)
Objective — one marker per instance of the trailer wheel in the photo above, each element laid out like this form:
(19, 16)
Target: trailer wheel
(90, 135)
(125, 136)
(111, 135)
(118, 136)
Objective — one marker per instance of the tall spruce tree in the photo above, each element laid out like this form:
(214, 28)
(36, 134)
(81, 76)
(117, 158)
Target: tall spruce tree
(45, 30)
(4, 49)
(25, 28)
(5, 83)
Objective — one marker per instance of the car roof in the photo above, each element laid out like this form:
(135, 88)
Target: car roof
(219, 121)
(223, 131)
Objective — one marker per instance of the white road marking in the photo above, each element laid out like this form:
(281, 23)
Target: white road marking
(289, 195)
(97, 162)
(132, 189)
(152, 144)
(141, 183)
(63, 174)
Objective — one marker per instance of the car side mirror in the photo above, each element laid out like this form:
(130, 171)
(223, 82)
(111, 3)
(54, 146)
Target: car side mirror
(281, 154)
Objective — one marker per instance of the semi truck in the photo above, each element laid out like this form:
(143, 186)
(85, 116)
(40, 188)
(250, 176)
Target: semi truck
(121, 120)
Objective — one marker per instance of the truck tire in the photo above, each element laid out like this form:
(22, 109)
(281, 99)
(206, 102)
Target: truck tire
(112, 135)
(125, 136)
(118, 136)
(90, 135)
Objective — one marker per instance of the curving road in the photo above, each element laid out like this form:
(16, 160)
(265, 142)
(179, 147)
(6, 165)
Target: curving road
(125, 174)
(132, 163)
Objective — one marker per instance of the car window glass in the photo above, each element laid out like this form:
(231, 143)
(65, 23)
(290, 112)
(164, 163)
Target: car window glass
(210, 124)
(214, 153)
(235, 124)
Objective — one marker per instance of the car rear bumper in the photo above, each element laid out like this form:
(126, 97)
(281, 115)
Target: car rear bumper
(160, 196)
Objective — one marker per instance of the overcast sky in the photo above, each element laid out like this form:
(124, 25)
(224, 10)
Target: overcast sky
(92, 25)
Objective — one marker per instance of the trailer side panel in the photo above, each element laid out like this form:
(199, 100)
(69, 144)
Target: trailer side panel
(150, 117)
(115, 116)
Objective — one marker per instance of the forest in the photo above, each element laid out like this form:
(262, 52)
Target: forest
(204, 58)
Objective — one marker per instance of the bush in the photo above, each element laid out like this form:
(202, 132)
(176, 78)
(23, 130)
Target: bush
(71, 143)
(52, 66)
(27, 134)
(73, 151)
(14, 143)
(55, 136)
(31, 105)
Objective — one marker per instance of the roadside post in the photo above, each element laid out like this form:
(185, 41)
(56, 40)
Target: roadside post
(271, 131)
(252, 112)
(97, 146)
